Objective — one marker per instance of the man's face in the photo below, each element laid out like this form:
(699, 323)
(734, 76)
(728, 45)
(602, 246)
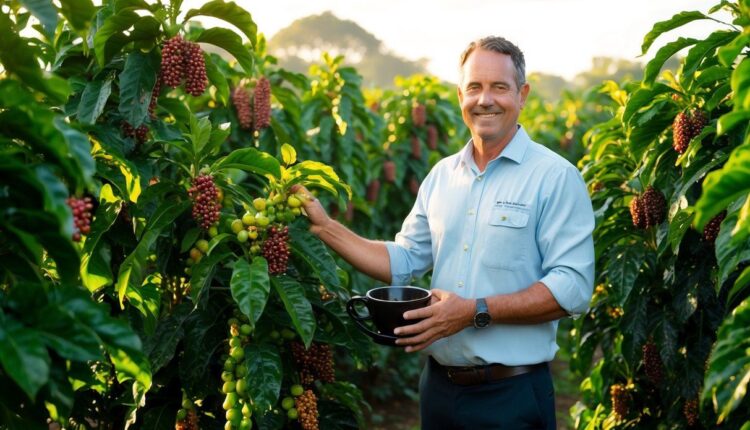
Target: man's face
(490, 100)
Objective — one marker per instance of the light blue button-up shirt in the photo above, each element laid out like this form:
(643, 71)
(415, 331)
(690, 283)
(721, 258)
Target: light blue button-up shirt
(526, 218)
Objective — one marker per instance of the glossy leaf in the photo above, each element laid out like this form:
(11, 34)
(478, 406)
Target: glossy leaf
(312, 250)
(229, 12)
(93, 100)
(250, 160)
(203, 273)
(78, 13)
(137, 80)
(662, 55)
(218, 79)
(46, 12)
(95, 259)
(112, 26)
(162, 345)
(288, 154)
(264, 365)
(292, 294)
(23, 355)
(723, 186)
(67, 335)
(624, 266)
(661, 27)
(729, 367)
(230, 42)
(250, 287)
(132, 270)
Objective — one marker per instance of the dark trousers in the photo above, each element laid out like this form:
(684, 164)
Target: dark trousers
(520, 402)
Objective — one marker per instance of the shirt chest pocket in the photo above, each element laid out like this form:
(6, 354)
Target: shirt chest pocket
(506, 239)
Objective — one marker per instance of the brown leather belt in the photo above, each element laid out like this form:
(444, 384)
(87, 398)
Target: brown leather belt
(475, 375)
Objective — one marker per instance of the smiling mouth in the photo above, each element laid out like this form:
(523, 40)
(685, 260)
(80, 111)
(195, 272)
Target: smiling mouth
(487, 114)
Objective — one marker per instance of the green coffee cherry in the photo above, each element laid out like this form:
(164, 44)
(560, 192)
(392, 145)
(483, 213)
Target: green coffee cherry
(241, 386)
(246, 424)
(229, 401)
(187, 404)
(202, 245)
(241, 371)
(297, 390)
(235, 341)
(234, 416)
(287, 403)
(213, 231)
(248, 219)
(228, 387)
(292, 414)
(237, 353)
(181, 414)
(287, 334)
(246, 329)
(242, 236)
(247, 411)
(259, 203)
(237, 226)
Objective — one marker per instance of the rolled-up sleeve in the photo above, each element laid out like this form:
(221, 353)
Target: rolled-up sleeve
(565, 242)
(411, 252)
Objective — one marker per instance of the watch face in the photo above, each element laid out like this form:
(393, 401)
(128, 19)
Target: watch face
(482, 319)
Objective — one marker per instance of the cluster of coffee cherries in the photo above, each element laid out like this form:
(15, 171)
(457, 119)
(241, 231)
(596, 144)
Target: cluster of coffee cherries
(302, 405)
(237, 401)
(262, 103)
(81, 216)
(241, 102)
(419, 115)
(621, 396)
(140, 133)
(263, 227)
(182, 60)
(206, 201)
(652, 362)
(187, 417)
(315, 363)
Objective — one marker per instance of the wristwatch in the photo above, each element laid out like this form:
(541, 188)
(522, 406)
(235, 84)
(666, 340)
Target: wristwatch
(482, 316)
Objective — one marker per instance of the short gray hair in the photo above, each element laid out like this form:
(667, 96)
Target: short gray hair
(502, 46)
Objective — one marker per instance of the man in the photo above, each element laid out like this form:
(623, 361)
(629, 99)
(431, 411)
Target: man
(505, 225)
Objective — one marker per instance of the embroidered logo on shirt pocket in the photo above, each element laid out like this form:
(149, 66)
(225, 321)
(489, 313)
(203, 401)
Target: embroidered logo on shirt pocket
(506, 238)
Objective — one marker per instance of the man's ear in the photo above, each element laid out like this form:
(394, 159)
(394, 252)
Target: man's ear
(525, 88)
(460, 94)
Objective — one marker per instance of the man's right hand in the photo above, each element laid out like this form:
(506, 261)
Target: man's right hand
(318, 217)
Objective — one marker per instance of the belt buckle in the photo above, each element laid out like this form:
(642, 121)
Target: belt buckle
(450, 374)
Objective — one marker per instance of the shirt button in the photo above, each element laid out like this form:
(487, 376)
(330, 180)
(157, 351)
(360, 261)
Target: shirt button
(479, 178)
(471, 212)
(466, 247)
(460, 284)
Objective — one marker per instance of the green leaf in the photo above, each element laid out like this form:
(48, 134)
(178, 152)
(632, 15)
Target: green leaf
(147, 299)
(729, 252)
(230, 42)
(137, 80)
(203, 273)
(702, 49)
(297, 306)
(250, 287)
(200, 132)
(250, 160)
(741, 85)
(710, 76)
(662, 55)
(46, 12)
(350, 396)
(729, 366)
(218, 137)
(113, 25)
(312, 250)
(264, 375)
(678, 226)
(23, 355)
(624, 265)
(78, 13)
(19, 58)
(230, 13)
(78, 150)
(68, 336)
(205, 333)
(93, 100)
(729, 121)
(723, 186)
(660, 27)
(217, 78)
(162, 345)
(642, 98)
(132, 270)
(189, 239)
(95, 261)
(729, 52)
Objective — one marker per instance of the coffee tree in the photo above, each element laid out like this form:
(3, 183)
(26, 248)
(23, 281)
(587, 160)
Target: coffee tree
(156, 272)
(668, 177)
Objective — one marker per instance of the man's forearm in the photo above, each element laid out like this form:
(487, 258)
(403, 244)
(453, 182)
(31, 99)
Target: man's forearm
(534, 305)
(368, 256)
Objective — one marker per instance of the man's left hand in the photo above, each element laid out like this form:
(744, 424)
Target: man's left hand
(447, 314)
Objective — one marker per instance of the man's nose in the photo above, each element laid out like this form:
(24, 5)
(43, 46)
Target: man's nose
(485, 99)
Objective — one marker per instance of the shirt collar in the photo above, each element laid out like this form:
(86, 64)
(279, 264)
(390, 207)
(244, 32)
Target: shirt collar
(515, 151)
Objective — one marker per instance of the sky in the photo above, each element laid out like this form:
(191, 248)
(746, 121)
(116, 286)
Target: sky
(557, 36)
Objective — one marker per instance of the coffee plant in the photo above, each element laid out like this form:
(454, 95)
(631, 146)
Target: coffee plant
(662, 345)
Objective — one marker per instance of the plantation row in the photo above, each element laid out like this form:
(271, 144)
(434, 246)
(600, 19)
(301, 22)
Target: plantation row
(157, 271)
